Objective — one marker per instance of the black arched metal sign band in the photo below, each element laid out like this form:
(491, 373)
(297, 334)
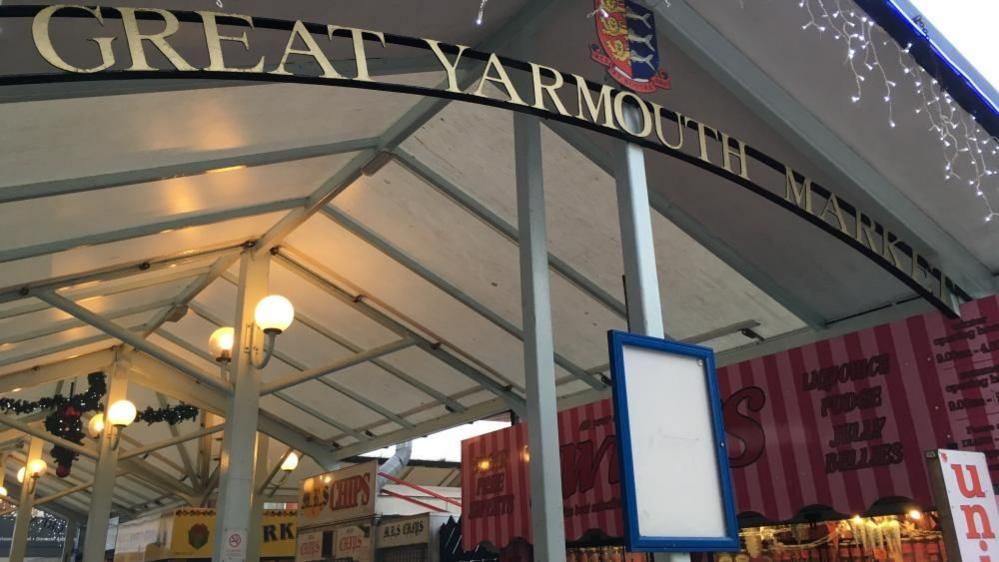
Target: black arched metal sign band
(601, 108)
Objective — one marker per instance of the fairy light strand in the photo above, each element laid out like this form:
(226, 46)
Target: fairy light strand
(970, 154)
(482, 10)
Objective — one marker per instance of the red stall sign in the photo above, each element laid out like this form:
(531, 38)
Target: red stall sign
(837, 423)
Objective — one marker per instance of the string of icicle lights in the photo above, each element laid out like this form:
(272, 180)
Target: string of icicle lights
(971, 155)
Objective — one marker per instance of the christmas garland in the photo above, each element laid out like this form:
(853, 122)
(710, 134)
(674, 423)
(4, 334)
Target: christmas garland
(65, 420)
(171, 414)
(85, 402)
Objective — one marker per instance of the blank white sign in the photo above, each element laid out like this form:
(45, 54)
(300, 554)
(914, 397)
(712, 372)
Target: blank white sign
(673, 450)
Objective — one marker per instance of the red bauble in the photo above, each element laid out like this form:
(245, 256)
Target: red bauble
(71, 412)
(62, 470)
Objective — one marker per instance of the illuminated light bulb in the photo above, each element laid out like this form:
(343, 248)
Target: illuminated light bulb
(3, 491)
(290, 462)
(220, 343)
(915, 514)
(274, 314)
(20, 475)
(95, 427)
(37, 468)
(857, 519)
(122, 413)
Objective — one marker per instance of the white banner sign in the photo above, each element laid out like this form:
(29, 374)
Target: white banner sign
(341, 495)
(972, 504)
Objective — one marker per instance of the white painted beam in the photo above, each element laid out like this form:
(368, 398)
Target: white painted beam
(171, 171)
(128, 337)
(291, 379)
(60, 370)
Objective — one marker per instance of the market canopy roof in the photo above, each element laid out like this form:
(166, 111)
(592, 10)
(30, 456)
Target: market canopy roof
(134, 198)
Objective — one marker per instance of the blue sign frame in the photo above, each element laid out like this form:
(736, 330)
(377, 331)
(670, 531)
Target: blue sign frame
(634, 540)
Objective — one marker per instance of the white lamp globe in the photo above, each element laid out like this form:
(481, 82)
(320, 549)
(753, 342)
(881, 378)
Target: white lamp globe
(122, 413)
(3, 491)
(274, 314)
(220, 343)
(37, 468)
(95, 427)
(20, 475)
(290, 462)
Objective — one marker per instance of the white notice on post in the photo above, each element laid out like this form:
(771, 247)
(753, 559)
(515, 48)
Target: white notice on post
(234, 546)
(972, 504)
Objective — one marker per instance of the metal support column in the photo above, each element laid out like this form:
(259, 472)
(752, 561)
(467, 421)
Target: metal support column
(69, 542)
(104, 474)
(239, 443)
(257, 515)
(539, 366)
(3, 468)
(635, 217)
(19, 542)
(638, 246)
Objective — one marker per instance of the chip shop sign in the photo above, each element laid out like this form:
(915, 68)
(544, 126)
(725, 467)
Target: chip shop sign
(341, 495)
(403, 532)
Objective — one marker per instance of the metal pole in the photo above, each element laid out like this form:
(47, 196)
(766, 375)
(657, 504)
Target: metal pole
(641, 277)
(239, 442)
(635, 217)
(19, 542)
(547, 520)
(257, 515)
(104, 474)
(69, 542)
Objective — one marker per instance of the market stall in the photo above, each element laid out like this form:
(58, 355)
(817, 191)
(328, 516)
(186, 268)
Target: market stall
(344, 516)
(186, 534)
(825, 442)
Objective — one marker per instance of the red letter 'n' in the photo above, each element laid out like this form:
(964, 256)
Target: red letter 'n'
(974, 532)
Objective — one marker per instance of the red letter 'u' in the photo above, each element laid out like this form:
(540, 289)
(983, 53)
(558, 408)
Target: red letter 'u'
(976, 482)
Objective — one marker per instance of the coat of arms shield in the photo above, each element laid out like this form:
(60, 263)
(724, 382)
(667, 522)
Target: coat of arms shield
(628, 45)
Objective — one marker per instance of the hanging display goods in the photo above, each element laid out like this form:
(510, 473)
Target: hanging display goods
(845, 421)
(342, 495)
(674, 469)
(967, 502)
(77, 42)
(628, 45)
